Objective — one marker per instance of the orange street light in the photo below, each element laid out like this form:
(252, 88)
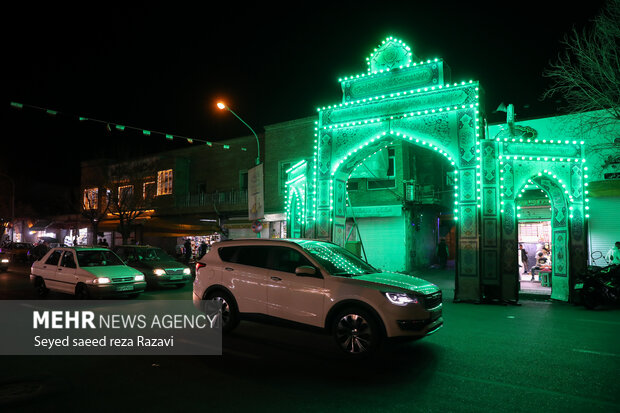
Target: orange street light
(222, 106)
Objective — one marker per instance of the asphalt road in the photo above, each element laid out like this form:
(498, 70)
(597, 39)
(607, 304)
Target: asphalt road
(541, 356)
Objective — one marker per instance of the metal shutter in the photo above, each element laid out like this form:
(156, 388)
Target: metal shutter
(604, 224)
(383, 240)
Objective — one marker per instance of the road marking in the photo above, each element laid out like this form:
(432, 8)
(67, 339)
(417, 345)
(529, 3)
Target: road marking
(599, 321)
(600, 353)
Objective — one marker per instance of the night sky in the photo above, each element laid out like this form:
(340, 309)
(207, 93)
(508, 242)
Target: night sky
(162, 67)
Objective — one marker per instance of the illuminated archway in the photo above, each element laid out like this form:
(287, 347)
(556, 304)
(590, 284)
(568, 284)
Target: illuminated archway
(296, 200)
(399, 97)
(385, 222)
(557, 167)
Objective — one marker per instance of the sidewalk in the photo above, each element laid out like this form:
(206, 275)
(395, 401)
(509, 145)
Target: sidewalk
(445, 280)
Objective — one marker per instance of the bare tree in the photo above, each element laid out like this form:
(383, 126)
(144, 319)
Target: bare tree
(95, 207)
(587, 72)
(125, 196)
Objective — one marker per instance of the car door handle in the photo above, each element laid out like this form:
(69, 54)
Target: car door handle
(59, 269)
(276, 278)
(229, 269)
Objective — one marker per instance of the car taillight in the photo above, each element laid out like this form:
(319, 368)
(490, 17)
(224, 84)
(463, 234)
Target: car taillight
(200, 265)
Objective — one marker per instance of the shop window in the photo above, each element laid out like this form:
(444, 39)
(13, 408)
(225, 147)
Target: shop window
(202, 188)
(164, 182)
(353, 185)
(148, 189)
(390, 174)
(243, 180)
(91, 198)
(391, 169)
(125, 192)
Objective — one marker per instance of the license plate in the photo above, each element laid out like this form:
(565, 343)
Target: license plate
(176, 277)
(124, 288)
(578, 286)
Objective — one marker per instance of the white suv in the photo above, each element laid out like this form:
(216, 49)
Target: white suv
(318, 284)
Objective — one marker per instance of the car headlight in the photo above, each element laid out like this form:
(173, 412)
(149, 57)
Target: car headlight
(139, 277)
(401, 298)
(101, 280)
(187, 271)
(5, 260)
(159, 271)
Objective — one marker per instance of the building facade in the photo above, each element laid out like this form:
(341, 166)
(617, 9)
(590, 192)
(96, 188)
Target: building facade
(404, 160)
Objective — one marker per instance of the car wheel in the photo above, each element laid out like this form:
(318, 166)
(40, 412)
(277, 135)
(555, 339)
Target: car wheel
(357, 333)
(81, 292)
(230, 313)
(40, 288)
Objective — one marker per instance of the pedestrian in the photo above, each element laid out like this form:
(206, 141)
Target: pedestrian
(613, 255)
(187, 250)
(104, 243)
(203, 249)
(524, 260)
(442, 253)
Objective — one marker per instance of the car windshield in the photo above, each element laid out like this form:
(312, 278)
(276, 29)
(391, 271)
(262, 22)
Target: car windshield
(97, 258)
(153, 254)
(337, 260)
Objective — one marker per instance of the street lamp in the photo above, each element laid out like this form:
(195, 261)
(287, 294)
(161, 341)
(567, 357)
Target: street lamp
(222, 106)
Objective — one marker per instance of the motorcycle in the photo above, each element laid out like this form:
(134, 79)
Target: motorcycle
(599, 287)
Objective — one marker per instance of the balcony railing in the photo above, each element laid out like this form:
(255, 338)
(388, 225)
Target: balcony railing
(236, 197)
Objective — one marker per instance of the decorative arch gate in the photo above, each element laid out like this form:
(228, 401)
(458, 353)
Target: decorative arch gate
(415, 102)
(558, 167)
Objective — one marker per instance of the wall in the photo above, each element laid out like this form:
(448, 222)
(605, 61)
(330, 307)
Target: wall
(289, 141)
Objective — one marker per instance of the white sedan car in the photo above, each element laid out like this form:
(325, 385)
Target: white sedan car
(85, 272)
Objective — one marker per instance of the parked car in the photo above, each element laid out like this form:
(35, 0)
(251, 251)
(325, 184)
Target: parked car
(4, 262)
(17, 251)
(85, 272)
(159, 268)
(318, 284)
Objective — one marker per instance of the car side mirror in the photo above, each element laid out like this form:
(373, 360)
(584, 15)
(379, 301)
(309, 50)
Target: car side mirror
(305, 271)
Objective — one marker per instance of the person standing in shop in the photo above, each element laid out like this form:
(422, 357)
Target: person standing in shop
(613, 255)
(524, 260)
(202, 250)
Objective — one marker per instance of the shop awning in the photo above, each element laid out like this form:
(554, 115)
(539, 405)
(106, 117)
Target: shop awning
(178, 226)
(69, 223)
(40, 225)
(168, 226)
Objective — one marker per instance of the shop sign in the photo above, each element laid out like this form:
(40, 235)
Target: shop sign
(256, 202)
(375, 211)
